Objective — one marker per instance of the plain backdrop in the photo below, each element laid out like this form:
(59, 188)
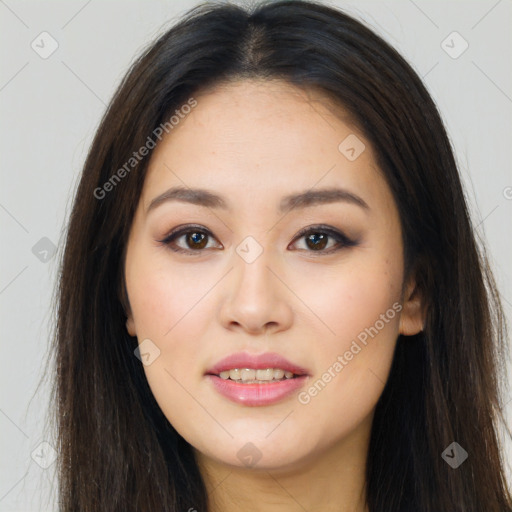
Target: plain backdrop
(51, 106)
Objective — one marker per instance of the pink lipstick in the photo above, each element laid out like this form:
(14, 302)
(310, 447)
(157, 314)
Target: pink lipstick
(256, 380)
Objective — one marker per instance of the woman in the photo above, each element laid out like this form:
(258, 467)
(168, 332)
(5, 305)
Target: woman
(271, 297)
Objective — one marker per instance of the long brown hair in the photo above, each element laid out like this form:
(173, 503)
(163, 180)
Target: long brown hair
(117, 451)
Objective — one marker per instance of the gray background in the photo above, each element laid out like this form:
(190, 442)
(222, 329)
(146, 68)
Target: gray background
(50, 108)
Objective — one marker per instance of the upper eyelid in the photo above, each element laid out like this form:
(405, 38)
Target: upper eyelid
(319, 228)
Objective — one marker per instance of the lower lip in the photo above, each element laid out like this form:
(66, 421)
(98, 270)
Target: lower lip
(257, 394)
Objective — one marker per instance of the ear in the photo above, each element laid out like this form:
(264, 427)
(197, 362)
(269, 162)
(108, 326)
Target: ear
(130, 325)
(125, 303)
(412, 319)
(122, 294)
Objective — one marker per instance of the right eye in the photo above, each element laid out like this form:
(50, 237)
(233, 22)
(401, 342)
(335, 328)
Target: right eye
(195, 239)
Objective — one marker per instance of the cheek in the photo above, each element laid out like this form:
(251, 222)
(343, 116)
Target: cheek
(362, 297)
(361, 307)
(170, 307)
(163, 296)
(351, 297)
(167, 303)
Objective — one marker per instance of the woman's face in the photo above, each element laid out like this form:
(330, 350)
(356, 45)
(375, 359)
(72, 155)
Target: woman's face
(245, 280)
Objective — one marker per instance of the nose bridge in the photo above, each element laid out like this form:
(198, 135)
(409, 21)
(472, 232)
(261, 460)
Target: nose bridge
(256, 297)
(252, 261)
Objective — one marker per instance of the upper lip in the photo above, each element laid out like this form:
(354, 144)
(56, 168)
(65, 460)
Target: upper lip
(256, 362)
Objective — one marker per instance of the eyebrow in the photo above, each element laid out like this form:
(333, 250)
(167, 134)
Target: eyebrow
(296, 201)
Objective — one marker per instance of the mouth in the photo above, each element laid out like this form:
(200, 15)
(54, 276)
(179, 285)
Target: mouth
(256, 380)
(246, 367)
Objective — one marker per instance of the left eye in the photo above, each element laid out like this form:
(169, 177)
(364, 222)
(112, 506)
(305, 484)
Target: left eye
(316, 240)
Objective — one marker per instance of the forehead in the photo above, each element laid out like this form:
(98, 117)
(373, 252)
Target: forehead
(253, 137)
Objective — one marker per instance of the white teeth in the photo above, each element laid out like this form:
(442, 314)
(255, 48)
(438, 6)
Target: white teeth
(267, 374)
(278, 374)
(249, 375)
(235, 374)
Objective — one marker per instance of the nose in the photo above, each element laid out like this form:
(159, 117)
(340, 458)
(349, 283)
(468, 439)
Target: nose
(256, 298)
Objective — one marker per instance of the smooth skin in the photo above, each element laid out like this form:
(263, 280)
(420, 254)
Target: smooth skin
(254, 142)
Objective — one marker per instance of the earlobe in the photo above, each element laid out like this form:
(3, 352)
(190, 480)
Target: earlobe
(130, 326)
(412, 319)
(125, 303)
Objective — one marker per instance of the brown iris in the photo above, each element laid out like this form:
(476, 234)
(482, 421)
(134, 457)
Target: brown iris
(198, 240)
(319, 241)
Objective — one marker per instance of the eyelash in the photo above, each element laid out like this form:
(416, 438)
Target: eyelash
(342, 240)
